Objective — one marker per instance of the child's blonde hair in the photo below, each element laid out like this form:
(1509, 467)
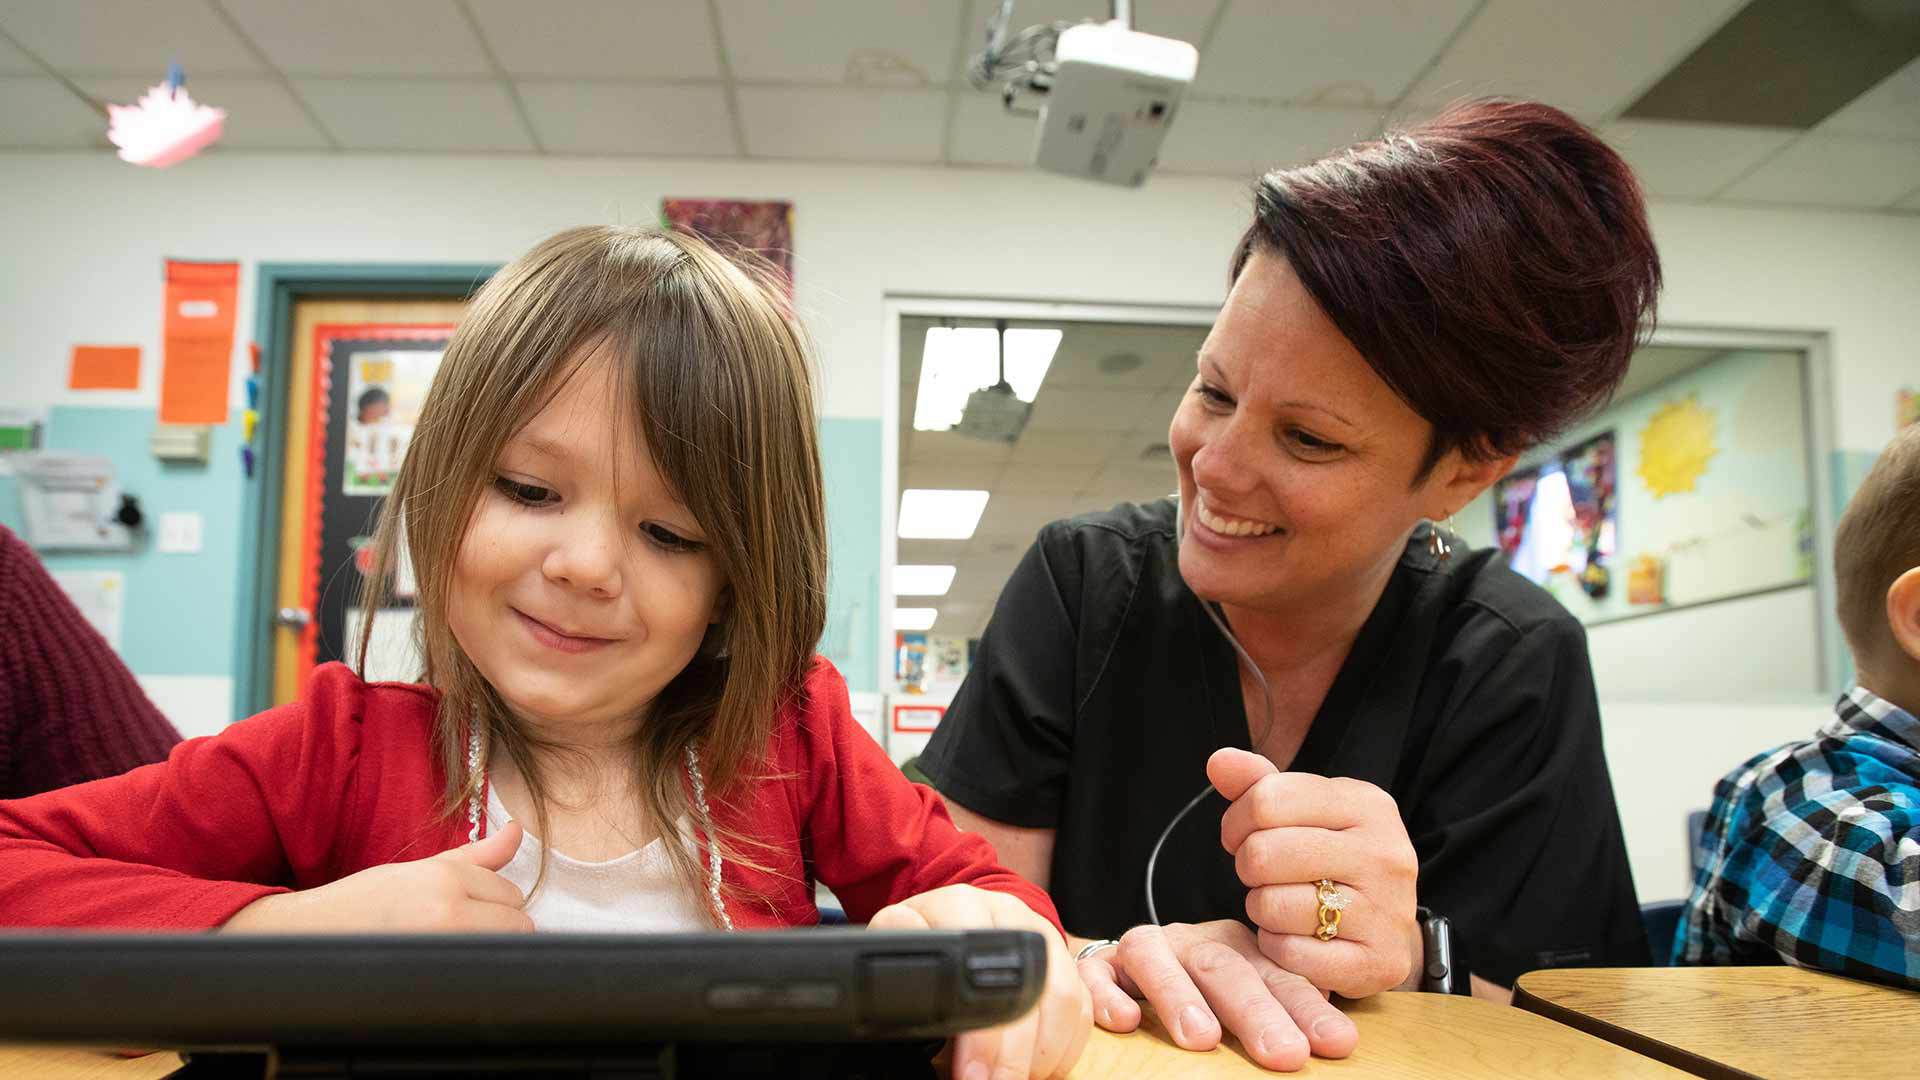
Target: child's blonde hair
(715, 373)
(1877, 540)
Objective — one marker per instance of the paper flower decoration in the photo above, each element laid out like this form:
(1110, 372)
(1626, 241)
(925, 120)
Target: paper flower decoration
(1676, 446)
(165, 128)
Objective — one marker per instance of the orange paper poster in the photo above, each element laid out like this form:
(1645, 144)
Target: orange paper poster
(105, 367)
(196, 364)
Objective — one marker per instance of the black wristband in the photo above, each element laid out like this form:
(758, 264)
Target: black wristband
(1441, 971)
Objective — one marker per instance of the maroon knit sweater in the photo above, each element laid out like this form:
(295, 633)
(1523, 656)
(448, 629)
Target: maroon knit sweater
(69, 708)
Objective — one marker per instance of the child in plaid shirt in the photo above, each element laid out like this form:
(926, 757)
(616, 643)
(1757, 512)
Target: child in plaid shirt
(1814, 848)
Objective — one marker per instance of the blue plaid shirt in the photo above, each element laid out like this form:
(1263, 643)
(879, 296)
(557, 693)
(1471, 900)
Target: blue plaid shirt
(1813, 853)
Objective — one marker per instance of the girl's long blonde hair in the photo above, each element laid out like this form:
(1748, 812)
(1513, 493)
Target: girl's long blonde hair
(716, 375)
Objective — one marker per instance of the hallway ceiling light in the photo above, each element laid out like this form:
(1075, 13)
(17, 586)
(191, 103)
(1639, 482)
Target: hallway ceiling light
(922, 580)
(914, 618)
(935, 514)
(959, 360)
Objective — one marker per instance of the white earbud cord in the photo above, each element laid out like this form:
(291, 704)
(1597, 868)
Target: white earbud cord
(1266, 697)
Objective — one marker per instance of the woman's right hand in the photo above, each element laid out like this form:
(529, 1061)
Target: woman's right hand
(457, 890)
(1199, 975)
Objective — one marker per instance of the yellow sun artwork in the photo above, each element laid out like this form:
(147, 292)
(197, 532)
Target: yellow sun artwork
(1675, 447)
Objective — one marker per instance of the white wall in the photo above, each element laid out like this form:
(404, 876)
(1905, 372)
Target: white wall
(85, 236)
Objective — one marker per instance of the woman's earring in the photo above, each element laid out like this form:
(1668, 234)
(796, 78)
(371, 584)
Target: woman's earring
(1437, 545)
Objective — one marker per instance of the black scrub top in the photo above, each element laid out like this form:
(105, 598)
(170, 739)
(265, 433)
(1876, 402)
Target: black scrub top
(1100, 688)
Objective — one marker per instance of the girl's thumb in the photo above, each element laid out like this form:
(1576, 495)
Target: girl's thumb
(491, 851)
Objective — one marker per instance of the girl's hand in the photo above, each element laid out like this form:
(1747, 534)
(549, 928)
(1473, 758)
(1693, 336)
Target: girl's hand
(1202, 977)
(1287, 831)
(1044, 1043)
(459, 890)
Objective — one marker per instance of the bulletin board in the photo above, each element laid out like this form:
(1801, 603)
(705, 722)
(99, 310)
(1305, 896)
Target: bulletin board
(1696, 490)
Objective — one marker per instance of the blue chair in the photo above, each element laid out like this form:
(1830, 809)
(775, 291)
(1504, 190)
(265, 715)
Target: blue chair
(832, 916)
(1662, 921)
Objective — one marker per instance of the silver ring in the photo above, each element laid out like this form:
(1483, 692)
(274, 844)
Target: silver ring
(1092, 947)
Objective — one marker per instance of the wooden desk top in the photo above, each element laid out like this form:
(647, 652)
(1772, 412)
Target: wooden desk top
(1727, 1022)
(1410, 1036)
(1413, 1036)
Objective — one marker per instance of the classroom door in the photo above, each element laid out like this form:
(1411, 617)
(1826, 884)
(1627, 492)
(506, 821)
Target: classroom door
(359, 370)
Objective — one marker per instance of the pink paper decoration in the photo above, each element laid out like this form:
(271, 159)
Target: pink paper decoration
(165, 128)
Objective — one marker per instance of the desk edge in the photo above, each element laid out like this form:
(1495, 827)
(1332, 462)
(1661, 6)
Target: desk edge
(1644, 1045)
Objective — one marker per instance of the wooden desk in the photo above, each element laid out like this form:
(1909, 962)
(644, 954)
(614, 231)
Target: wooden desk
(1727, 1022)
(1413, 1036)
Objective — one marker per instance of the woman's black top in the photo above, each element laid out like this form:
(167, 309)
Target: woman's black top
(1101, 687)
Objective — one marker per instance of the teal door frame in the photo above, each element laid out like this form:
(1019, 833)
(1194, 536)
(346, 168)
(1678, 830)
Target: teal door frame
(279, 287)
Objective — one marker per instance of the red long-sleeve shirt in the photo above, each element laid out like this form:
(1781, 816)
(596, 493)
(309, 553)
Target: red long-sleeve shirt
(344, 779)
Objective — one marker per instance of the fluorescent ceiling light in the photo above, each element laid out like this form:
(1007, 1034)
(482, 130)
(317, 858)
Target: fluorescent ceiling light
(914, 618)
(933, 514)
(959, 360)
(922, 580)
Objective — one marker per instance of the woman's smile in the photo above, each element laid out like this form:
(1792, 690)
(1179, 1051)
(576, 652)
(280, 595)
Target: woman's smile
(554, 638)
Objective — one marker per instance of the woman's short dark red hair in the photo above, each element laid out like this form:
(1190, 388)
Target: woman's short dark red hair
(1493, 265)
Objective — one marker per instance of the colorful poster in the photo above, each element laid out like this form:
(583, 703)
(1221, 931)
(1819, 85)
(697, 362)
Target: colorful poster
(385, 392)
(764, 228)
(197, 354)
(1560, 519)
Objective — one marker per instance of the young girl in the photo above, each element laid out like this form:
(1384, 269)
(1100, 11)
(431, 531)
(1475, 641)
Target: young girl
(614, 505)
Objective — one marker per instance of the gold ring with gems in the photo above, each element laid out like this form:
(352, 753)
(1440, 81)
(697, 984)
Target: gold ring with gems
(1332, 903)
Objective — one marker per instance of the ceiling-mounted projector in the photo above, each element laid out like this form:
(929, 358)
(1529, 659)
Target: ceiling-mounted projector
(1109, 93)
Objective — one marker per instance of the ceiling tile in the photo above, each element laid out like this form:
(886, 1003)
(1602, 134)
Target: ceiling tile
(1589, 59)
(1350, 53)
(1692, 161)
(843, 125)
(1089, 410)
(624, 118)
(363, 37)
(863, 42)
(1019, 516)
(262, 114)
(985, 133)
(397, 114)
(1063, 448)
(1124, 356)
(41, 113)
(947, 448)
(15, 62)
(640, 40)
(1832, 170)
(1054, 479)
(128, 37)
(963, 476)
(1247, 140)
(1889, 109)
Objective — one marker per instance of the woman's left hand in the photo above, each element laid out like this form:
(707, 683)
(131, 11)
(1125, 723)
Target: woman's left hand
(1288, 831)
(1048, 1039)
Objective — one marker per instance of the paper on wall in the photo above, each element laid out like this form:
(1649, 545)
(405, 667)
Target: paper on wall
(101, 597)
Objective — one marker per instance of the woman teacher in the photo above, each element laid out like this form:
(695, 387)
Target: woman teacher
(1403, 723)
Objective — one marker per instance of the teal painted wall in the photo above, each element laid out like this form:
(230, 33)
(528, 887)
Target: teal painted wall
(180, 609)
(850, 458)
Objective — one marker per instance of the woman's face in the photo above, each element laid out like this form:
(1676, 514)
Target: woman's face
(1296, 461)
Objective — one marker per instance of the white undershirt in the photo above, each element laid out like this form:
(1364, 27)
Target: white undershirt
(634, 893)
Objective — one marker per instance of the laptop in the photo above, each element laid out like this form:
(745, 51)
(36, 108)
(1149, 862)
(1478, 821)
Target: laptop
(489, 1000)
